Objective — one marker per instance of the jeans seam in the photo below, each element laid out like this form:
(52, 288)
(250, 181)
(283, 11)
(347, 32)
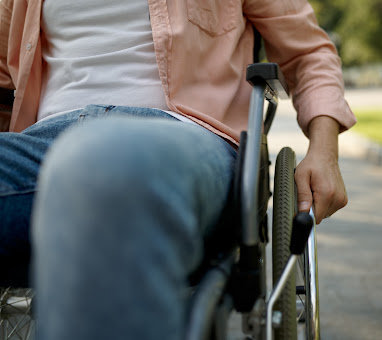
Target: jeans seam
(16, 192)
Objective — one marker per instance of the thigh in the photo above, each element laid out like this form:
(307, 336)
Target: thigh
(130, 188)
(128, 172)
(21, 156)
(184, 162)
(121, 145)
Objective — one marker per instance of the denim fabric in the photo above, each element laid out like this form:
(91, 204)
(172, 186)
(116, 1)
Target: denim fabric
(21, 155)
(122, 207)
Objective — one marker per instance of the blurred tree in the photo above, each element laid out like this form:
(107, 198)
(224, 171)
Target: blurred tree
(355, 27)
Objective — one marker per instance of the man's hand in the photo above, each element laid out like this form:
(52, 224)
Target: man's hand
(318, 176)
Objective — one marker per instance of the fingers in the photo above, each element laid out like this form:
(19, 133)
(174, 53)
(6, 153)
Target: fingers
(321, 184)
(304, 192)
(329, 199)
(322, 202)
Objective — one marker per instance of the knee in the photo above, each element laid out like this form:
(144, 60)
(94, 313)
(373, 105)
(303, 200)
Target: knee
(101, 185)
(100, 157)
(103, 164)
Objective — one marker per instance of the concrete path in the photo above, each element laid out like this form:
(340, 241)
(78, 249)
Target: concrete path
(350, 242)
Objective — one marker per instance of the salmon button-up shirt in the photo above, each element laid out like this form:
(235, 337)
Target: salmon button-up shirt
(202, 50)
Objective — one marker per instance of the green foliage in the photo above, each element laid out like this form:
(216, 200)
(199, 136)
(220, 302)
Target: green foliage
(355, 26)
(369, 124)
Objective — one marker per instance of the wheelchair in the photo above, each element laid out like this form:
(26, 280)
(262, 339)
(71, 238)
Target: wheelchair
(237, 280)
(234, 278)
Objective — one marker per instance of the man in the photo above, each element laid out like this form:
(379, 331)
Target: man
(155, 97)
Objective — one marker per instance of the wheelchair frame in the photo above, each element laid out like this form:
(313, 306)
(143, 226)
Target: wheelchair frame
(236, 280)
(239, 280)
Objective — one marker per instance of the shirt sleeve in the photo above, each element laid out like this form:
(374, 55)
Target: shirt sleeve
(307, 57)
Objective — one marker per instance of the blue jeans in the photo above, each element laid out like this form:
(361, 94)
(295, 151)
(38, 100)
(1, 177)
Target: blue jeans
(122, 208)
(20, 157)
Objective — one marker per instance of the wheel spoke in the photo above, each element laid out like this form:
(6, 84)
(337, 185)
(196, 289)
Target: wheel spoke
(302, 311)
(16, 321)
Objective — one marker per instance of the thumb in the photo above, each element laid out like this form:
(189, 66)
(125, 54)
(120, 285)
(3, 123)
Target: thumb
(304, 193)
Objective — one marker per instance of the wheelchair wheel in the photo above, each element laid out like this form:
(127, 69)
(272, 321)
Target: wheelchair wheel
(16, 321)
(284, 209)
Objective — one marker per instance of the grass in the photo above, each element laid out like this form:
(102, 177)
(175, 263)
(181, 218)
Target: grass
(369, 123)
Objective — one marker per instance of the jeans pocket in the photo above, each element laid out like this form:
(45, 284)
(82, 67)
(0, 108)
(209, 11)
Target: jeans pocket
(216, 17)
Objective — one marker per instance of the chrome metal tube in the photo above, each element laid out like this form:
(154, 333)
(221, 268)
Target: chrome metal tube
(312, 294)
(250, 235)
(276, 294)
(205, 300)
(271, 112)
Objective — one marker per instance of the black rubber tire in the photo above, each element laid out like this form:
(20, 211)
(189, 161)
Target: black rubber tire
(284, 208)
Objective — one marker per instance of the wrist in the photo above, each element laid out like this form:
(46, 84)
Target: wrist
(323, 136)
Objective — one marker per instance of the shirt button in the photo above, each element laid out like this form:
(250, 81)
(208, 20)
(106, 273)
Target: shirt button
(29, 46)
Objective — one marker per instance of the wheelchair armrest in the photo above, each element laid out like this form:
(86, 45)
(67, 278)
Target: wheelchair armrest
(271, 74)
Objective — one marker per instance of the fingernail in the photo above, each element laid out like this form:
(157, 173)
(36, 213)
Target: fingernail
(304, 205)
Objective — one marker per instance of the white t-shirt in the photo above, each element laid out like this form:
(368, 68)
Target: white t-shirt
(98, 52)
